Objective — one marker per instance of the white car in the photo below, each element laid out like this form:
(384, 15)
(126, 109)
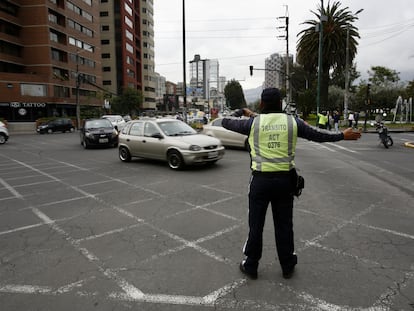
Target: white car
(169, 140)
(117, 121)
(227, 137)
(4, 133)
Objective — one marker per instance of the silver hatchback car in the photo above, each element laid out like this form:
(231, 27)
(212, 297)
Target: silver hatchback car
(168, 140)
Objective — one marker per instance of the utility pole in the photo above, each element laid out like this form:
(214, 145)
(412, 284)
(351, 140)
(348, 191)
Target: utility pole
(184, 69)
(287, 74)
(77, 92)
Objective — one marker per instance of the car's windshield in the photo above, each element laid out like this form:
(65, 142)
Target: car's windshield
(113, 118)
(97, 124)
(176, 128)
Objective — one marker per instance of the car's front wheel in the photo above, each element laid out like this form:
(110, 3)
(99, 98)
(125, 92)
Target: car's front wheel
(2, 139)
(175, 160)
(124, 154)
(85, 144)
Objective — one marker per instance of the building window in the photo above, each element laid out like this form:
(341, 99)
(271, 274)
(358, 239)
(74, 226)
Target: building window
(106, 69)
(128, 9)
(130, 73)
(60, 91)
(106, 55)
(105, 42)
(129, 35)
(129, 22)
(129, 48)
(103, 13)
(107, 82)
(129, 60)
(105, 27)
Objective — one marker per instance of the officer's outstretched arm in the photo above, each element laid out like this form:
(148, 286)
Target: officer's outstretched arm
(350, 134)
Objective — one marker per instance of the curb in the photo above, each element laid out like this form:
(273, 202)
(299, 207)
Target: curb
(409, 144)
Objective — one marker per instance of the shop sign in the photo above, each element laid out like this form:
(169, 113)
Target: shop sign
(27, 105)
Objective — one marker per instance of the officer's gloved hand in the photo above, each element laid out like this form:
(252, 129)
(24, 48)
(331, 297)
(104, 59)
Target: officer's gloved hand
(238, 113)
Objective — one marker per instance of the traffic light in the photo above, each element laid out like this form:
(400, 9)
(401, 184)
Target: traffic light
(251, 70)
(368, 90)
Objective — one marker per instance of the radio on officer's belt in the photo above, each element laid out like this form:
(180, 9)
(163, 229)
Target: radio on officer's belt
(300, 184)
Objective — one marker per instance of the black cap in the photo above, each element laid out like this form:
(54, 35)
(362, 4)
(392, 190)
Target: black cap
(271, 95)
(271, 100)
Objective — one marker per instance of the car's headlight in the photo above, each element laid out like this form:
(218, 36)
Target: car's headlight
(195, 148)
(87, 134)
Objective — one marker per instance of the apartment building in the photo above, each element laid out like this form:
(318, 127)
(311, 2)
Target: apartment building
(274, 71)
(127, 42)
(50, 58)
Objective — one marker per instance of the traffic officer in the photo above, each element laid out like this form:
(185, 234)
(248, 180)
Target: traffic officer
(272, 139)
(323, 120)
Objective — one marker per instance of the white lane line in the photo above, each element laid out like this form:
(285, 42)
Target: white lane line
(25, 289)
(342, 148)
(22, 228)
(342, 253)
(11, 189)
(122, 283)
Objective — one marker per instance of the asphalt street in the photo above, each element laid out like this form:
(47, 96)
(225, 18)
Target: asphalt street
(81, 230)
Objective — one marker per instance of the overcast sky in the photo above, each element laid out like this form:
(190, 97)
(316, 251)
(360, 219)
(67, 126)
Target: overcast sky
(240, 33)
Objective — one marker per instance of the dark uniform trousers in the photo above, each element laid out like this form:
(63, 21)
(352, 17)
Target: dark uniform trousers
(274, 188)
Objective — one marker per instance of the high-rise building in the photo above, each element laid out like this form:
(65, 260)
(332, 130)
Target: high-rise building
(274, 71)
(127, 41)
(148, 55)
(50, 58)
(204, 77)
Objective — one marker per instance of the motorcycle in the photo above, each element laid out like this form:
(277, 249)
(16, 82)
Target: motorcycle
(385, 138)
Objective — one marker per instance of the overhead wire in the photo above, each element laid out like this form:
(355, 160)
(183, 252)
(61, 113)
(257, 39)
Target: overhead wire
(388, 30)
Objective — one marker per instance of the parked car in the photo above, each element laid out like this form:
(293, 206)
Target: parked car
(117, 121)
(56, 125)
(227, 137)
(98, 132)
(4, 133)
(168, 140)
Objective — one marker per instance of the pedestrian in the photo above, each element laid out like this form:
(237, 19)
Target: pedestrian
(350, 119)
(336, 118)
(356, 118)
(272, 139)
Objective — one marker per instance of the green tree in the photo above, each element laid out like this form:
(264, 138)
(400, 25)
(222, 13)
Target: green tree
(335, 29)
(129, 102)
(383, 77)
(233, 92)
(409, 90)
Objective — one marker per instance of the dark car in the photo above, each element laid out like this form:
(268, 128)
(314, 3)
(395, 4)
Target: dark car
(98, 132)
(56, 125)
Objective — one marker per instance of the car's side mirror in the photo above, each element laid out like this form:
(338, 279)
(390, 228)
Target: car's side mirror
(157, 135)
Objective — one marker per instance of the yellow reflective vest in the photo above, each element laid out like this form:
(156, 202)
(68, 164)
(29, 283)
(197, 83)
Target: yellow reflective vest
(272, 142)
(323, 119)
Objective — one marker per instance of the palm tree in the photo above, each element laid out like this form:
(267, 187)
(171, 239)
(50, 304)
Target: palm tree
(335, 33)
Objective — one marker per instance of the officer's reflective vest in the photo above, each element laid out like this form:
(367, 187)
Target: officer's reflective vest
(272, 142)
(322, 119)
